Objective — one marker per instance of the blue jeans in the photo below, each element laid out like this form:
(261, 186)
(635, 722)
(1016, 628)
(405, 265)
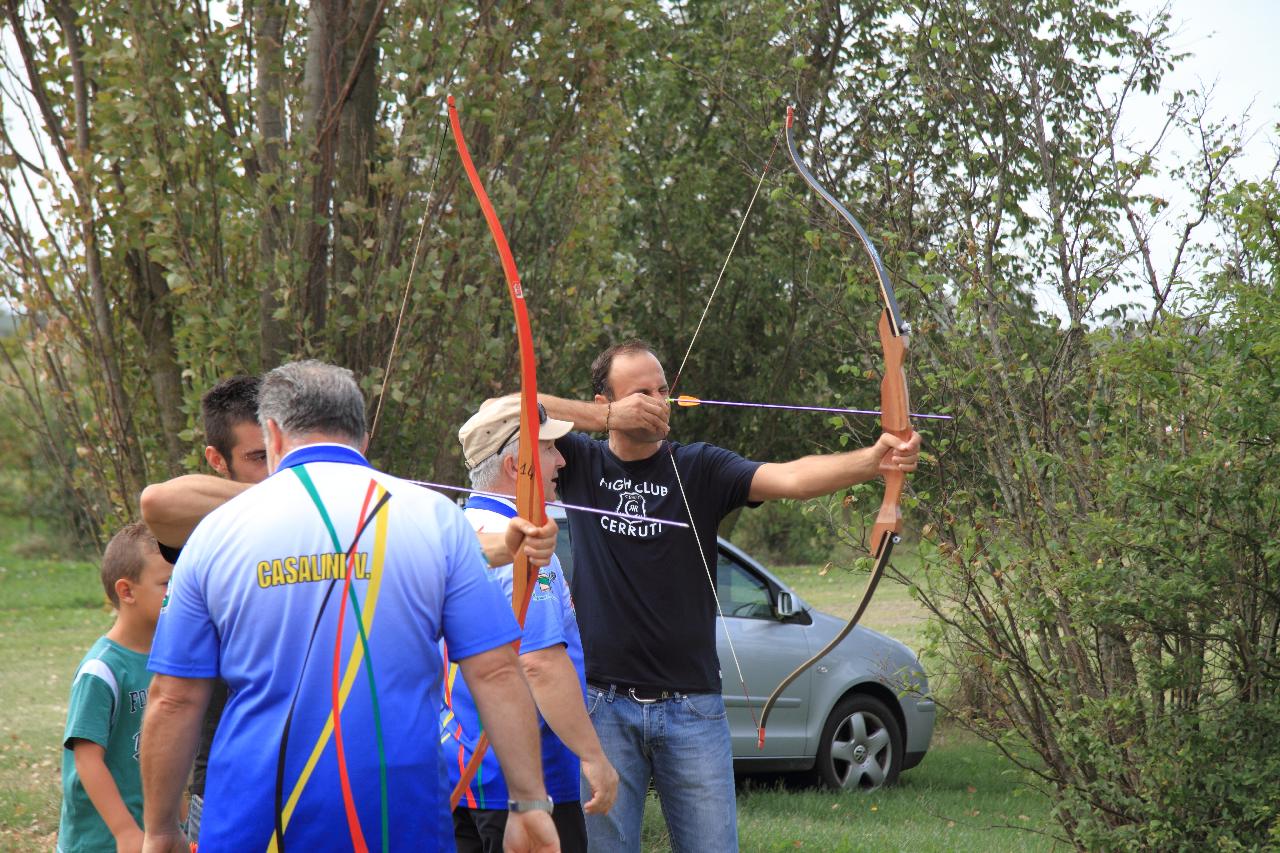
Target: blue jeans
(682, 744)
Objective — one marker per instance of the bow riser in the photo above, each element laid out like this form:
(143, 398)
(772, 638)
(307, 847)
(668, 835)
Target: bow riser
(895, 404)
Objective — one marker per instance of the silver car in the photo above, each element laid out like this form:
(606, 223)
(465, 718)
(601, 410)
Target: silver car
(856, 720)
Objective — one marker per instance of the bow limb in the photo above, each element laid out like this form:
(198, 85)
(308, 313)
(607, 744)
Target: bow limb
(530, 500)
(894, 420)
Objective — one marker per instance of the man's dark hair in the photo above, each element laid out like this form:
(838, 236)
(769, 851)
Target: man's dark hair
(227, 405)
(125, 555)
(604, 363)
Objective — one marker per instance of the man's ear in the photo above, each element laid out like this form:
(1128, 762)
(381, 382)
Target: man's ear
(364, 445)
(511, 466)
(124, 590)
(216, 460)
(274, 438)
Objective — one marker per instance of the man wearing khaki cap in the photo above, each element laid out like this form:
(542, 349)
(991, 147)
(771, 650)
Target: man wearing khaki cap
(550, 654)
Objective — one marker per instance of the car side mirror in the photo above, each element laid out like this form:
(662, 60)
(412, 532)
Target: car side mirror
(785, 605)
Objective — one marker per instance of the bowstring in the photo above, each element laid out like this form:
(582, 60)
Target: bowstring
(702, 555)
(408, 285)
(719, 278)
(746, 694)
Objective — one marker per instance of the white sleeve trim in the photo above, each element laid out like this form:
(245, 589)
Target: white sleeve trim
(98, 669)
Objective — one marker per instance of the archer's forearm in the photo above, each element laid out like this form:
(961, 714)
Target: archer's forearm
(172, 509)
(494, 546)
(170, 736)
(812, 476)
(558, 693)
(586, 416)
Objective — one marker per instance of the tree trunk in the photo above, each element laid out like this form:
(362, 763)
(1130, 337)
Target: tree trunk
(320, 89)
(358, 112)
(269, 112)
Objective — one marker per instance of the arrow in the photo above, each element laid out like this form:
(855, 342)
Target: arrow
(687, 401)
(627, 516)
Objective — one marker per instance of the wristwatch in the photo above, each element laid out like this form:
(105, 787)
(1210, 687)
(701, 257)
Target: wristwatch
(519, 806)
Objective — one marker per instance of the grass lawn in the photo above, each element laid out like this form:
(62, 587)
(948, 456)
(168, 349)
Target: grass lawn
(964, 797)
(51, 611)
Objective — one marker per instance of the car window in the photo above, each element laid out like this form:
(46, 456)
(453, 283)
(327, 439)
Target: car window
(564, 549)
(742, 593)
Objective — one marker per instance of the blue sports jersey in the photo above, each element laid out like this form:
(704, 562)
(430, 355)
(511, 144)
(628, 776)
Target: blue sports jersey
(549, 621)
(256, 599)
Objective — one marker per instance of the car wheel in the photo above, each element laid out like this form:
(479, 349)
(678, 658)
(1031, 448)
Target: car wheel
(861, 746)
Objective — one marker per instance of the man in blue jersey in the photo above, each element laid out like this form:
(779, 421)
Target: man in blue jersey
(645, 595)
(550, 653)
(320, 596)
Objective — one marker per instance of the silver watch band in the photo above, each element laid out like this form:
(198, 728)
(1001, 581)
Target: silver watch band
(519, 806)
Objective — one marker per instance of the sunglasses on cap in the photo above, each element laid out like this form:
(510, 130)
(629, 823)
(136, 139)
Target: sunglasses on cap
(542, 419)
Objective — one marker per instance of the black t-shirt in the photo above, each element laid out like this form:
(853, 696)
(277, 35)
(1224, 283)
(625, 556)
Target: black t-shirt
(645, 607)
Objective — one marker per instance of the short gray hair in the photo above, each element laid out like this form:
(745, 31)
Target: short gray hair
(305, 397)
(486, 472)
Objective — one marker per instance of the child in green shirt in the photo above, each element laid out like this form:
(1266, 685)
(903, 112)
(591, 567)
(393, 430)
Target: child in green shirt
(101, 781)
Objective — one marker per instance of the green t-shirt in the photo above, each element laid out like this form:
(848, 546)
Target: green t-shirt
(107, 698)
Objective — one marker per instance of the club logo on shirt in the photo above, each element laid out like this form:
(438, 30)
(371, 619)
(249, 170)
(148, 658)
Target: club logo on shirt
(631, 501)
(542, 589)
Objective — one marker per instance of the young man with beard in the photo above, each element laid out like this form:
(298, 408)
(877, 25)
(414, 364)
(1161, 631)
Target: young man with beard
(172, 509)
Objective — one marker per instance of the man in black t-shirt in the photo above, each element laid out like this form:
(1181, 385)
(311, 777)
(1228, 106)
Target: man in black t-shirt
(645, 598)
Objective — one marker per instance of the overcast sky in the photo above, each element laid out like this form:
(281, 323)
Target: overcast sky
(1236, 49)
(1233, 49)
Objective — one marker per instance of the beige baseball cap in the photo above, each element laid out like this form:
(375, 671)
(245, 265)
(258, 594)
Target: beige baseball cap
(497, 422)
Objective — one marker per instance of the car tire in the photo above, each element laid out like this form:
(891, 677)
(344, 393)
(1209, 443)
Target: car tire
(861, 746)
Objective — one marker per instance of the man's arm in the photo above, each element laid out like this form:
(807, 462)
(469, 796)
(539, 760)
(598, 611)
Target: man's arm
(172, 509)
(811, 476)
(635, 411)
(170, 735)
(91, 767)
(538, 543)
(556, 689)
(504, 703)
